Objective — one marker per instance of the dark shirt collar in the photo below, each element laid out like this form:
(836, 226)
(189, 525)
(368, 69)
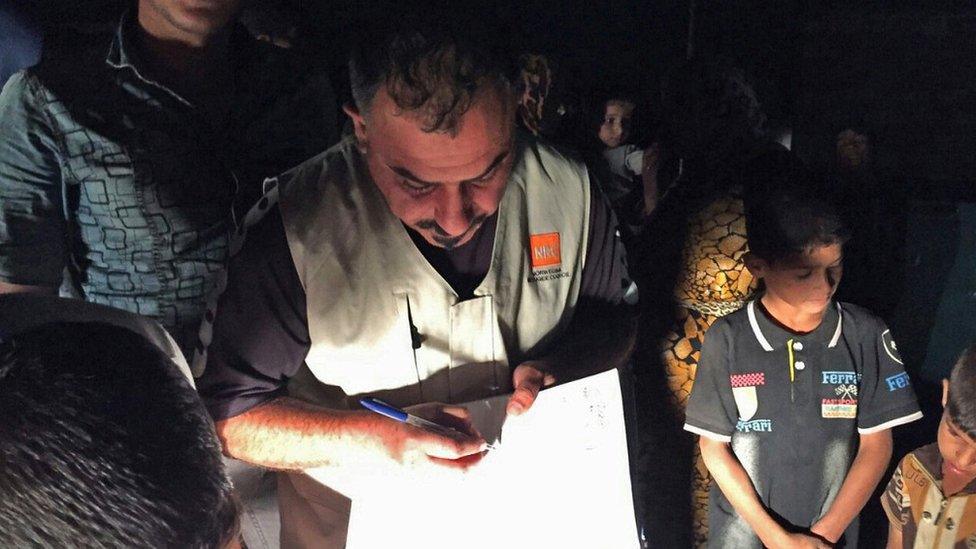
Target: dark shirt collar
(771, 334)
(123, 52)
(119, 51)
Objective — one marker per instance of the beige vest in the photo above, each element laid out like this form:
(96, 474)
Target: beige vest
(383, 322)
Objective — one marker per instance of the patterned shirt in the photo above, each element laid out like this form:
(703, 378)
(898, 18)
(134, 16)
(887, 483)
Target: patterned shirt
(916, 505)
(792, 406)
(130, 185)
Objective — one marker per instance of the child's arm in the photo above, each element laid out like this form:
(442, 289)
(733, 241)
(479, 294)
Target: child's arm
(732, 478)
(894, 537)
(872, 459)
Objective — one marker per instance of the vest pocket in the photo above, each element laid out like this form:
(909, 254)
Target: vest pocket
(372, 354)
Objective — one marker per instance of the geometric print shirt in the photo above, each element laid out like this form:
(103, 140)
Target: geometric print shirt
(130, 186)
(792, 407)
(916, 505)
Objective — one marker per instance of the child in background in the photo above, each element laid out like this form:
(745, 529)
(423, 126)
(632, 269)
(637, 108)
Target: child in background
(931, 499)
(615, 132)
(622, 173)
(617, 125)
(795, 393)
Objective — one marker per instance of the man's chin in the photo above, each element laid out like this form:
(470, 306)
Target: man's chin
(449, 243)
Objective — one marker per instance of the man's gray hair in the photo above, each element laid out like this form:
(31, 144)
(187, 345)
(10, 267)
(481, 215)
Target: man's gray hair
(432, 73)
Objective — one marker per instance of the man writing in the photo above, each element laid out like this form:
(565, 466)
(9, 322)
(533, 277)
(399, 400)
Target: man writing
(120, 155)
(436, 256)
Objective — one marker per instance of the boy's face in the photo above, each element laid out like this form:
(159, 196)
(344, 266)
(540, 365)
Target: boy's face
(957, 448)
(806, 282)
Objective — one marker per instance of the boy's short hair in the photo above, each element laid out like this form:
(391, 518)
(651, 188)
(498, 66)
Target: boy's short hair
(961, 405)
(104, 443)
(789, 216)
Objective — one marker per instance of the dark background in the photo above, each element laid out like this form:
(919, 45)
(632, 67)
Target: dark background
(902, 72)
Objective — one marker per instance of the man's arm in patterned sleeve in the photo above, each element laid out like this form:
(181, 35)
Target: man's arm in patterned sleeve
(32, 241)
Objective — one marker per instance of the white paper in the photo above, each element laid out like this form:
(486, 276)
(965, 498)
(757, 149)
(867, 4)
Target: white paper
(559, 477)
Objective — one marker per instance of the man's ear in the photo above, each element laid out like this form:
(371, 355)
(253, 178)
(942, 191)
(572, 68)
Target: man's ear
(945, 392)
(358, 122)
(756, 265)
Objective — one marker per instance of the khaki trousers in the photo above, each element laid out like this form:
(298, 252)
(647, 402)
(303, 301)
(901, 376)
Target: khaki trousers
(312, 514)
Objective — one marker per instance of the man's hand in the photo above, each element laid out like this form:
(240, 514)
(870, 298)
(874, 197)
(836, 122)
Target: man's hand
(350, 446)
(411, 447)
(528, 379)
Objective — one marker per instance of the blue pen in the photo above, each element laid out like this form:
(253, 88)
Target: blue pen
(392, 412)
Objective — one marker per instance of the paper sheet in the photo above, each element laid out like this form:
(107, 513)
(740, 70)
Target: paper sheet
(559, 477)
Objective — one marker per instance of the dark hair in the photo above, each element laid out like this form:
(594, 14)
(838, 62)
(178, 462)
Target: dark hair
(432, 64)
(961, 405)
(789, 216)
(105, 444)
(598, 108)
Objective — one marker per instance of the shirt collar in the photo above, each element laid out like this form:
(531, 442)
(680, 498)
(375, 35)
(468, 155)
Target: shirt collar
(122, 52)
(765, 330)
(121, 47)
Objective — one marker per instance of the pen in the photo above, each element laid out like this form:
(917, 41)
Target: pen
(392, 412)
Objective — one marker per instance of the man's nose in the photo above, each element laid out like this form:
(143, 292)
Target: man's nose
(450, 211)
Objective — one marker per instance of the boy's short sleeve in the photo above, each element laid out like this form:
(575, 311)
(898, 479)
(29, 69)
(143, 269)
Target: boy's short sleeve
(886, 398)
(711, 408)
(895, 500)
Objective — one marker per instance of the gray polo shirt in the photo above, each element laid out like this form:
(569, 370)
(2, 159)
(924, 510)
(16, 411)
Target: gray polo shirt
(792, 407)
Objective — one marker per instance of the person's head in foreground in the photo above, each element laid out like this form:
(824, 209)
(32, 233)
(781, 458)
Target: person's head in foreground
(957, 430)
(434, 116)
(104, 443)
(617, 122)
(796, 246)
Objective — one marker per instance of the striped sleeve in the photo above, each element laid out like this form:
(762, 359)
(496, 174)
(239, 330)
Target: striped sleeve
(895, 500)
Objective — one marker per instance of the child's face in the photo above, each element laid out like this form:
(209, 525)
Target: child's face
(806, 282)
(615, 129)
(957, 448)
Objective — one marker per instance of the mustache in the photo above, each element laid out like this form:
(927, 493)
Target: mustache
(445, 239)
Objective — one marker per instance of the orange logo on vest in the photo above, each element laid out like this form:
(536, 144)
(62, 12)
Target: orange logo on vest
(545, 250)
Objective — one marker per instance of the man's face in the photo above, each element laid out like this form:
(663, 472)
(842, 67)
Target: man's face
(441, 185)
(806, 282)
(191, 17)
